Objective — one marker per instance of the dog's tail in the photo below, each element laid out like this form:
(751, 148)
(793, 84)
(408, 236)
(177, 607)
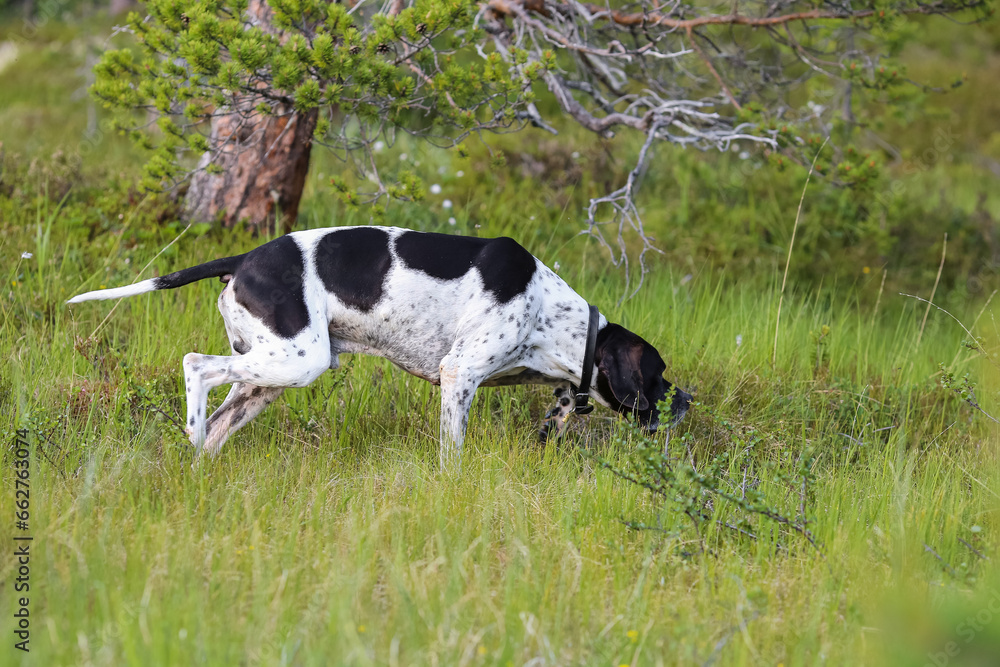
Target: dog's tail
(217, 268)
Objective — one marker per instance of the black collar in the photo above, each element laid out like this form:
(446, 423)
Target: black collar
(583, 393)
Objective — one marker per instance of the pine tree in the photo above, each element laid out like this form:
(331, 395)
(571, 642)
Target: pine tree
(240, 90)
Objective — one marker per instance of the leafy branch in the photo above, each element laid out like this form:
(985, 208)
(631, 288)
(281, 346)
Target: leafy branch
(724, 490)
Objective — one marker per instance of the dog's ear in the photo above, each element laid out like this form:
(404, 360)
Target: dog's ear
(619, 354)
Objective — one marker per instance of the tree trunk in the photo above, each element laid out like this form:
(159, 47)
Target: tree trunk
(264, 159)
(120, 6)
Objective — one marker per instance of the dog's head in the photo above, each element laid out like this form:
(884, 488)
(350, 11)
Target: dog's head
(630, 377)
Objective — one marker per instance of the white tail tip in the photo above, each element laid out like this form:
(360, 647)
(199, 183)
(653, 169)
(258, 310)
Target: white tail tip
(117, 292)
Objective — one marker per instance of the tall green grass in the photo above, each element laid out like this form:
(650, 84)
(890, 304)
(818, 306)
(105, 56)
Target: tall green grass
(326, 534)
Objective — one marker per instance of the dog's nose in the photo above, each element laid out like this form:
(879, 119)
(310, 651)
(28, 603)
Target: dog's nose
(679, 406)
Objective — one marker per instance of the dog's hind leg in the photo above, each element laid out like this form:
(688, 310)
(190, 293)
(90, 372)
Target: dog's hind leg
(244, 402)
(290, 363)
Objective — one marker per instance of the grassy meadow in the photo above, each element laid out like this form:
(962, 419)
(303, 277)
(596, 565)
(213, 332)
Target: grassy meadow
(325, 532)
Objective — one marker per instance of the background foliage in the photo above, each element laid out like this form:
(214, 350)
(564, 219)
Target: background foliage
(326, 529)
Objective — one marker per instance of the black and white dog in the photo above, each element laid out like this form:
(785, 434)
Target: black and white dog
(460, 312)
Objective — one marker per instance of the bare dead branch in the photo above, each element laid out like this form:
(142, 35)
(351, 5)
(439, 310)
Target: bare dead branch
(646, 19)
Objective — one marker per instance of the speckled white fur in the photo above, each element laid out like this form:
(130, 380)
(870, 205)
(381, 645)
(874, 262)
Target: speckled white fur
(450, 332)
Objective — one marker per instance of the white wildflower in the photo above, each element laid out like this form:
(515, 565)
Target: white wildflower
(26, 255)
(451, 221)
(435, 189)
(446, 203)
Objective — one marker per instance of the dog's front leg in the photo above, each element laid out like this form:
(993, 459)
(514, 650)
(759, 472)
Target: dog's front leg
(558, 417)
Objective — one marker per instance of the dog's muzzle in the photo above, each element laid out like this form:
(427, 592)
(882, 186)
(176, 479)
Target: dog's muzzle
(679, 406)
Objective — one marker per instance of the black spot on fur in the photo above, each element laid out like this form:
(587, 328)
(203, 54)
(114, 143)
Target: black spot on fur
(302, 353)
(353, 264)
(505, 267)
(191, 421)
(240, 346)
(257, 391)
(270, 280)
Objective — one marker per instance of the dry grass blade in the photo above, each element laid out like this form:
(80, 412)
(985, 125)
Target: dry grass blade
(791, 244)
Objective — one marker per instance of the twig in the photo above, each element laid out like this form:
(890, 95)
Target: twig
(657, 19)
(150, 405)
(948, 568)
(711, 68)
(974, 550)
